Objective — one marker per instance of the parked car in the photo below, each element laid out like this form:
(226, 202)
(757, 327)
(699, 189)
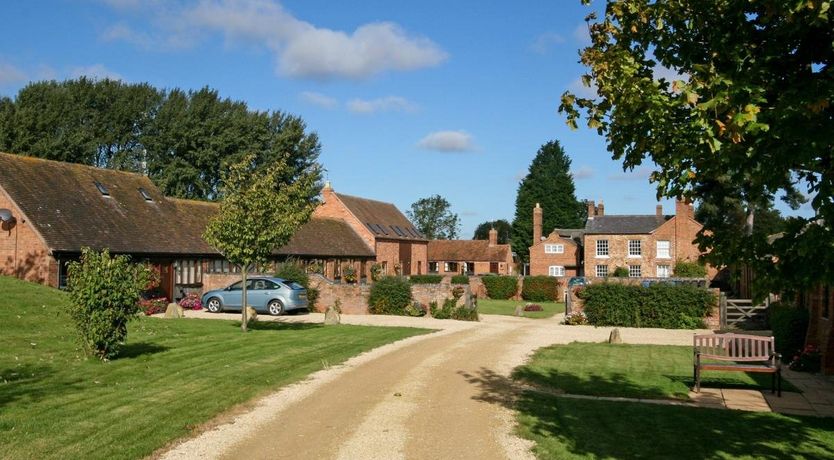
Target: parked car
(578, 281)
(275, 296)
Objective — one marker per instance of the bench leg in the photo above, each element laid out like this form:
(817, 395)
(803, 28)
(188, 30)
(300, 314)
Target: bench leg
(773, 383)
(697, 379)
(779, 383)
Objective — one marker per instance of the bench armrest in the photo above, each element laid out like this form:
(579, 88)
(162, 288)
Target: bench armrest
(776, 360)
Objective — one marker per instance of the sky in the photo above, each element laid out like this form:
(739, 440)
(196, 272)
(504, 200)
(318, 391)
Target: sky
(409, 99)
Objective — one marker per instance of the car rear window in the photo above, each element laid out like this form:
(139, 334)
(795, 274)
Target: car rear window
(295, 286)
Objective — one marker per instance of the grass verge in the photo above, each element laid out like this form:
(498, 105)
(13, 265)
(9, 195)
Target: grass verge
(172, 375)
(507, 308)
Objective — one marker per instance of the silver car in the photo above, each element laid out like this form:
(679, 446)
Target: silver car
(266, 295)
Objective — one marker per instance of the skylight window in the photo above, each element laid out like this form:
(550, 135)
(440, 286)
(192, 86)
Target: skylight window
(101, 188)
(371, 226)
(145, 194)
(397, 230)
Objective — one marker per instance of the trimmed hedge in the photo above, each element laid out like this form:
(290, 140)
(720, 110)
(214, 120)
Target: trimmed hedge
(789, 325)
(658, 305)
(540, 288)
(684, 269)
(391, 295)
(500, 287)
(426, 279)
(460, 279)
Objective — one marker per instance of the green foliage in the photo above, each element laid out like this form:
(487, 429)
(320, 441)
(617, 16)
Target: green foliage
(104, 294)
(549, 183)
(684, 269)
(426, 279)
(460, 279)
(576, 318)
(539, 288)
(376, 272)
(789, 325)
(503, 228)
(292, 270)
(659, 305)
(434, 218)
(416, 309)
(744, 118)
(620, 272)
(500, 287)
(391, 295)
(451, 311)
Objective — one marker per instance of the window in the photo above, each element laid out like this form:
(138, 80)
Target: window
(602, 271)
(556, 270)
(663, 271)
(602, 249)
(450, 267)
(634, 248)
(634, 271)
(432, 267)
(188, 272)
(663, 250)
(145, 194)
(554, 248)
(221, 266)
(101, 188)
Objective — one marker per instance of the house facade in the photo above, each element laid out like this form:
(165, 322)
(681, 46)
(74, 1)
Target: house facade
(470, 257)
(559, 254)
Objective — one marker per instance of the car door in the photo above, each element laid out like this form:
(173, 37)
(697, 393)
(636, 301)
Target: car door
(258, 293)
(233, 296)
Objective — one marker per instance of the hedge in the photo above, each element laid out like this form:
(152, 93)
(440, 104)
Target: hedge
(789, 325)
(540, 288)
(391, 295)
(685, 269)
(658, 305)
(426, 279)
(460, 279)
(500, 287)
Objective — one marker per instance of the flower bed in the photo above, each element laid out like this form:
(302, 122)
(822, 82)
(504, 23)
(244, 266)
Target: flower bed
(191, 302)
(153, 306)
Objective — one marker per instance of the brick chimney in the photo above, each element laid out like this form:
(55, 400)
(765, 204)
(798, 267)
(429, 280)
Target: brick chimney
(326, 191)
(659, 211)
(684, 209)
(493, 237)
(592, 210)
(601, 208)
(537, 224)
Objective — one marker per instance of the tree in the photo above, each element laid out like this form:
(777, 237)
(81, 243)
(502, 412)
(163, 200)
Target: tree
(258, 213)
(434, 218)
(749, 105)
(501, 226)
(549, 183)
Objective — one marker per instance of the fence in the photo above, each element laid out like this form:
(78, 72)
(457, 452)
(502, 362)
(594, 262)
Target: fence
(743, 312)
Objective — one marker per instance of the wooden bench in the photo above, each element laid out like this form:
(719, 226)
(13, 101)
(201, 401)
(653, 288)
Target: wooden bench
(737, 352)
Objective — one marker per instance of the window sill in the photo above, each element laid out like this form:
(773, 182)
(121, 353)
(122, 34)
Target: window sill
(603, 257)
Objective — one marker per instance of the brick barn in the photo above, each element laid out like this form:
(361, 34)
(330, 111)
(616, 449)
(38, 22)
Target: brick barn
(470, 257)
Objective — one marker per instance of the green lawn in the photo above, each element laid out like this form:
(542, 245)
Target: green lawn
(172, 375)
(633, 371)
(507, 307)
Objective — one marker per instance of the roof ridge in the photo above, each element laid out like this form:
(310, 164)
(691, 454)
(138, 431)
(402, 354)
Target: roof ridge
(24, 157)
(363, 198)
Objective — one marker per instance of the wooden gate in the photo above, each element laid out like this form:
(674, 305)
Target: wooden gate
(738, 312)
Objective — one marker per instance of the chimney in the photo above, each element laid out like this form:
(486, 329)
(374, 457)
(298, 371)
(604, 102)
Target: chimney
(659, 211)
(683, 208)
(493, 237)
(537, 224)
(601, 208)
(592, 210)
(326, 191)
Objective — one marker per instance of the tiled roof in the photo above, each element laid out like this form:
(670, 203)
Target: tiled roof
(384, 220)
(467, 251)
(624, 224)
(326, 237)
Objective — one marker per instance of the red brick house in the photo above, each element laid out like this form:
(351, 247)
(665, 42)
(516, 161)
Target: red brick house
(559, 254)
(470, 257)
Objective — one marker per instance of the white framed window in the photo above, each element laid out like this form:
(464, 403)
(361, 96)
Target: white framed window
(554, 248)
(663, 271)
(450, 267)
(556, 270)
(635, 271)
(602, 248)
(663, 250)
(635, 248)
(602, 271)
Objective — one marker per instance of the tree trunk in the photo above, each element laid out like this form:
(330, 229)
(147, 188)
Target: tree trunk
(243, 324)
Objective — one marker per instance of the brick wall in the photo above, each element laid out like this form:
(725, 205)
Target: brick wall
(22, 251)
(820, 303)
(332, 207)
(540, 261)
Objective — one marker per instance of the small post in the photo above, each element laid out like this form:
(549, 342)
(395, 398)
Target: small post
(722, 310)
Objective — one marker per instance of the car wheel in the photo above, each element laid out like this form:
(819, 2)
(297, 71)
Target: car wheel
(275, 308)
(213, 305)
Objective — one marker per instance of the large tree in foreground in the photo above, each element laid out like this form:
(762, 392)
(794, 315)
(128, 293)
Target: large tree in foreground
(549, 183)
(258, 214)
(434, 218)
(724, 95)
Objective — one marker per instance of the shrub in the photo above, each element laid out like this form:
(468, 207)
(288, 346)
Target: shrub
(376, 272)
(391, 295)
(620, 272)
(426, 279)
(191, 302)
(500, 287)
(576, 318)
(789, 325)
(658, 305)
(809, 360)
(684, 269)
(442, 313)
(295, 272)
(460, 279)
(533, 307)
(153, 305)
(451, 311)
(416, 309)
(104, 295)
(539, 288)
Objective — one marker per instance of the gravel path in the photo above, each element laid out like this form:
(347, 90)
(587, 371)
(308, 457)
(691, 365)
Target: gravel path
(441, 395)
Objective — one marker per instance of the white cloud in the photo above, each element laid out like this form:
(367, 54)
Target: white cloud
(584, 172)
(97, 71)
(123, 32)
(319, 99)
(639, 174)
(545, 42)
(383, 104)
(301, 49)
(447, 141)
(11, 74)
(582, 35)
(578, 88)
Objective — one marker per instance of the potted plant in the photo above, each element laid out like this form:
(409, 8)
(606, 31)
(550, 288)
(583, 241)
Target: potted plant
(349, 275)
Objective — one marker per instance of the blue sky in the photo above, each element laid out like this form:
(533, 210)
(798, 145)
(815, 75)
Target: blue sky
(409, 99)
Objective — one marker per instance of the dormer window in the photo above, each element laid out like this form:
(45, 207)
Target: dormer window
(101, 188)
(145, 194)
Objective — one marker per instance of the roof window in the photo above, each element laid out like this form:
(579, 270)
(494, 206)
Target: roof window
(145, 194)
(101, 188)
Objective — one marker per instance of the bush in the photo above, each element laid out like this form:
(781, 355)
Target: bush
(685, 269)
(153, 305)
(620, 272)
(789, 325)
(533, 307)
(426, 279)
(540, 288)
(658, 305)
(391, 295)
(809, 360)
(576, 318)
(191, 302)
(416, 309)
(500, 287)
(460, 279)
(295, 272)
(451, 311)
(104, 295)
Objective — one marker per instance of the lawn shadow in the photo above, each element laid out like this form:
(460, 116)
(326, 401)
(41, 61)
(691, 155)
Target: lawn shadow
(133, 350)
(32, 383)
(613, 384)
(279, 326)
